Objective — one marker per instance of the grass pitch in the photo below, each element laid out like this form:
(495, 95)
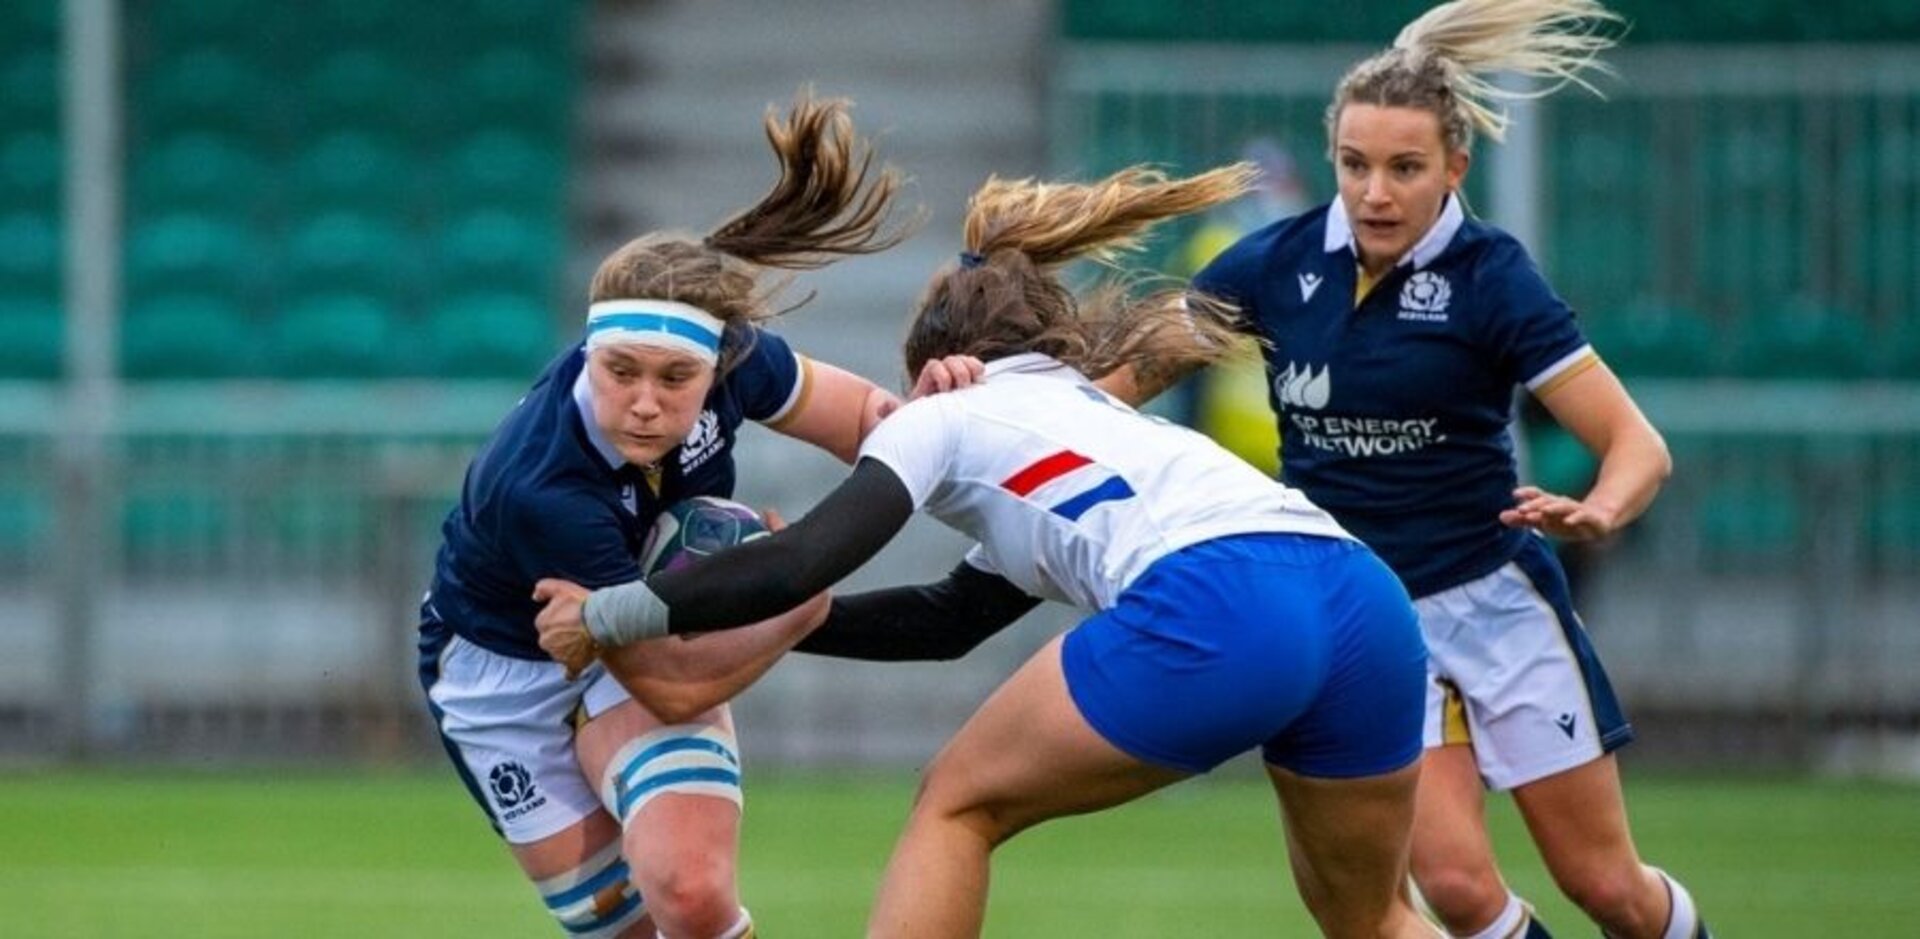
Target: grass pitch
(110, 854)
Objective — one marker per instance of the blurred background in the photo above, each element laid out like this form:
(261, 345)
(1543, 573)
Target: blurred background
(269, 272)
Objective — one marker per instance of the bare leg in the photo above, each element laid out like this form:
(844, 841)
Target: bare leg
(1026, 756)
(683, 849)
(1348, 840)
(1578, 818)
(1453, 861)
(566, 850)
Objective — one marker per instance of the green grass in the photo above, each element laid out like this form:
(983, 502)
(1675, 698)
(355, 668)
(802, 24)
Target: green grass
(259, 854)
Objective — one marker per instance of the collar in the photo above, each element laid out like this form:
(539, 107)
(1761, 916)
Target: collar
(1029, 363)
(583, 400)
(1340, 233)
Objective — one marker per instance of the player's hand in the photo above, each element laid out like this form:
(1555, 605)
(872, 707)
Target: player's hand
(1562, 517)
(950, 373)
(563, 631)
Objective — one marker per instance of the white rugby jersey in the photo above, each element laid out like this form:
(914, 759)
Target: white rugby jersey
(1071, 493)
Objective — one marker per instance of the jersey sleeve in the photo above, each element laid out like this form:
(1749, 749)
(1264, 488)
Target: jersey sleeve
(919, 443)
(570, 536)
(1531, 332)
(1232, 276)
(770, 380)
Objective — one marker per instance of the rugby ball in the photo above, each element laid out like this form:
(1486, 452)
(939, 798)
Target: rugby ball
(694, 528)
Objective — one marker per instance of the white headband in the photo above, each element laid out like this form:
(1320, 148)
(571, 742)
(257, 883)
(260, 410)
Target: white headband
(668, 324)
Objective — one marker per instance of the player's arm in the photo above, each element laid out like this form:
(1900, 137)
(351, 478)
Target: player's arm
(838, 408)
(679, 678)
(1634, 462)
(938, 621)
(743, 584)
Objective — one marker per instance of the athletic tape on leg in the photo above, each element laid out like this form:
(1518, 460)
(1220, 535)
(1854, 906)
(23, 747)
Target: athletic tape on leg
(695, 759)
(596, 900)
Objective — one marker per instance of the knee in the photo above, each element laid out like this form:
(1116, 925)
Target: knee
(1606, 894)
(945, 799)
(1463, 896)
(693, 898)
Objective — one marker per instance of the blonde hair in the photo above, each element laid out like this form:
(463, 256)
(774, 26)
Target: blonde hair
(1440, 62)
(1006, 297)
(828, 202)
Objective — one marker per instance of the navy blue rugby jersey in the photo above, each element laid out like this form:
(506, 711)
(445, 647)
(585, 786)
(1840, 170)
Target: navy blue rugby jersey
(1394, 411)
(548, 496)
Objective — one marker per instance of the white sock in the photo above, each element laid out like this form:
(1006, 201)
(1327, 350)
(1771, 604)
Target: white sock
(742, 928)
(1507, 924)
(1684, 921)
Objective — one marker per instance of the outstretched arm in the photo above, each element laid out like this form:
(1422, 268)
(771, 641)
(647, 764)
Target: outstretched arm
(938, 621)
(744, 584)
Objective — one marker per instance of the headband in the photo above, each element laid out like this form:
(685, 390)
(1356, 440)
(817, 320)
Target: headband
(667, 324)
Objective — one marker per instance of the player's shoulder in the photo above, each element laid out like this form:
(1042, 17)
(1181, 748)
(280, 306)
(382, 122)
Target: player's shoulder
(1277, 242)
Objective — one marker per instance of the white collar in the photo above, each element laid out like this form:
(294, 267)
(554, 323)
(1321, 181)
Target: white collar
(583, 399)
(1030, 363)
(1340, 233)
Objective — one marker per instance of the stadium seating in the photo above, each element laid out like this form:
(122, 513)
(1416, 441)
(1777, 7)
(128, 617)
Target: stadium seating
(351, 252)
(201, 173)
(193, 253)
(355, 172)
(1803, 341)
(341, 335)
(483, 334)
(31, 262)
(499, 169)
(1655, 341)
(30, 168)
(491, 249)
(186, 336)
(30, 338)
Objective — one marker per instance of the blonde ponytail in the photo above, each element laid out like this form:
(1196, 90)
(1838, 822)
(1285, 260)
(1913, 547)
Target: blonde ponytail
(1443, 61)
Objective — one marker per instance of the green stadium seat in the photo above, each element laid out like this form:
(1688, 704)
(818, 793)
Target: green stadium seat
(200, 172)
(31, 262)
(366, 88)
(1655, 341)
(30, 91)
(540, 24)
(498, 250)
(187, 337)
(356, 172)
(193, 253)
(31, 334)
(516, 89)
(1804, 341)
(498, 169)
(1751, 523)
(207, 88)
(497, 335)
(26, 526)
(336, 336)
(348, 252)
(30, 172)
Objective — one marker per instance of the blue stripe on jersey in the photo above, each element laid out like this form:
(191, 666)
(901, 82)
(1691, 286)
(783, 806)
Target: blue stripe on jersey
(675, 777)
(1537, 562)
(614, 873)
(1113, 489)
(655, 322)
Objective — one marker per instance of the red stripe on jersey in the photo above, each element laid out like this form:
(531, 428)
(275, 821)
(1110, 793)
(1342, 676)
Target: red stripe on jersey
(1044, 471)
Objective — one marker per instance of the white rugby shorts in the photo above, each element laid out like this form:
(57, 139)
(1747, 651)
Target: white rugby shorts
(1512, 672)
(508, 724)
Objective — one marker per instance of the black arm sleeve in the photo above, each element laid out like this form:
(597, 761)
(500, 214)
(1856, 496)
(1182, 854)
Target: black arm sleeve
(763, 578)
(943, 620)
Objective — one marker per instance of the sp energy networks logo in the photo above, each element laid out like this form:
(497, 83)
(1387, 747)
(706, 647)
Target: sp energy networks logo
(1302, 387)
(1424, 298)
(513, 790)
(1303, 392)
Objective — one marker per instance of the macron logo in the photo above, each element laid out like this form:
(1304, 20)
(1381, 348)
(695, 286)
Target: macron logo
(1308, 284)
